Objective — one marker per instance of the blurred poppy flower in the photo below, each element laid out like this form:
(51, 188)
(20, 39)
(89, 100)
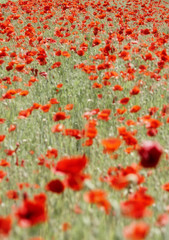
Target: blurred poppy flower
(5, 225)
(150, 153)
(2, 137)
(12, 128)
(136, 205)
(55, 186)
(124, 101)
(31, 212)
(72, 165)
(136, 231)
(98, 197)
(12, 194)
(166, 187)
(162, 220)
(60, 116)
(111, 144)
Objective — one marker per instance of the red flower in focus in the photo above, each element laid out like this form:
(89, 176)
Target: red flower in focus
(150, 153)
(136, 231)
(31, 212)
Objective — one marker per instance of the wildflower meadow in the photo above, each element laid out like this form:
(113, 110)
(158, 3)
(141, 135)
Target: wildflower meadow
(84, 120)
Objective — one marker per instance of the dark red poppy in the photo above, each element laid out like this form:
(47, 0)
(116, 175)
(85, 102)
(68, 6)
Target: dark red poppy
(55, 186)
(124, 100)
(59, 116)
(150, 153)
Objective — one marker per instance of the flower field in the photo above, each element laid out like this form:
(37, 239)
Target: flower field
(84, 120)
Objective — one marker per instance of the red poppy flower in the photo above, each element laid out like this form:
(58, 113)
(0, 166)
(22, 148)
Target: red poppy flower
(20, 67)
(2, 137)
(135, 91)
(98, 197)
(75, 181)
(5, 225)
(136, 231)
(58, 128)
(73, 133)
(69, 107)
(136, 205)
(4, 163)
(166, 187)
(111, 144)
(12, 128)
(135, 109)
(150, 153)
(60, 116)
(124, 101)
(90, 129)
(117, 88)
(54, 101)
(2, 120)
(55, 186)
(52, 153)
(80, 52)
(12, 194)
(72, 165)
(31, 212)
(45, 108)
(56, 65)
(163, 220)
(104, 114)
(152, 132)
